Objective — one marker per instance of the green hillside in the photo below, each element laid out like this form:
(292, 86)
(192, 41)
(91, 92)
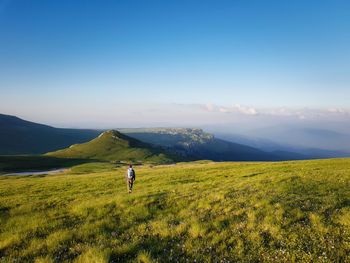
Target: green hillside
(114, 146)
(195, 212)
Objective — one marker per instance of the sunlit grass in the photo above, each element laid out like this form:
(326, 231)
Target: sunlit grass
(197, 212)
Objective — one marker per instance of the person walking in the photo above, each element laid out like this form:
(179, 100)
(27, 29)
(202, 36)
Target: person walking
(130, 178)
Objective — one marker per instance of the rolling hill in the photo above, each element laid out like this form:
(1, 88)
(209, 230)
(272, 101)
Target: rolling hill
(201, 145)
(115, 146)
(18, 136)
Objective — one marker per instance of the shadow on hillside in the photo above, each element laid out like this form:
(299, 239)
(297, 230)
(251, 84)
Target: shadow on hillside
(23, 163)
(252, 175)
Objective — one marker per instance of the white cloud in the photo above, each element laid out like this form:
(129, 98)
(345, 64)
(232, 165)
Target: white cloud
(237, 108)
(211, 107)
(302, 114)
(223, 110)
(337, 110)
(246, 110)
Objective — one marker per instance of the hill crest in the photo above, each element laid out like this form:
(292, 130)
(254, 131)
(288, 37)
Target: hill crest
(115, 146)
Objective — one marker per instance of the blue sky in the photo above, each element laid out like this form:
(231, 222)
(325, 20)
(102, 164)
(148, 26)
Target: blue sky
(129, 63)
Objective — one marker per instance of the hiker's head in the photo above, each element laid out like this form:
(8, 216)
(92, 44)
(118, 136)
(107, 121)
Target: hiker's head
(130, 166)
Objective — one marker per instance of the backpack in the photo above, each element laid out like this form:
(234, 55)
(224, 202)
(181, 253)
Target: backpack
(131, 173)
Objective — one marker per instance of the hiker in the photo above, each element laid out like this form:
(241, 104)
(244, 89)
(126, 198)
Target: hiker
(130, 178)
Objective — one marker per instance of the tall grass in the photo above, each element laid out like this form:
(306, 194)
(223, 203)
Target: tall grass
(197, 212)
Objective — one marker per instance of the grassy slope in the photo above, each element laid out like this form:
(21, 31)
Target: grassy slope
(114, 146)
(246, 212)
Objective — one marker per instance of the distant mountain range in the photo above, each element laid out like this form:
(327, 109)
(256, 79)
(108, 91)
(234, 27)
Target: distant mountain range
(303, 141)
(306, 137)
(115, 146)
(18, 136)
(201, 145)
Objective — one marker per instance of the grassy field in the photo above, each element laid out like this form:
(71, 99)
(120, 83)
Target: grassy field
(189, 212)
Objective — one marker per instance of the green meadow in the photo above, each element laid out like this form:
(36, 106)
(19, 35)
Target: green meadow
(187, 212)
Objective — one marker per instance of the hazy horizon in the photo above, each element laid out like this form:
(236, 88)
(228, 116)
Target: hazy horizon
(237, 118)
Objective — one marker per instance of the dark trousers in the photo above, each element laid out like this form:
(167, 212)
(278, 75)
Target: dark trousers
(129, 183)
